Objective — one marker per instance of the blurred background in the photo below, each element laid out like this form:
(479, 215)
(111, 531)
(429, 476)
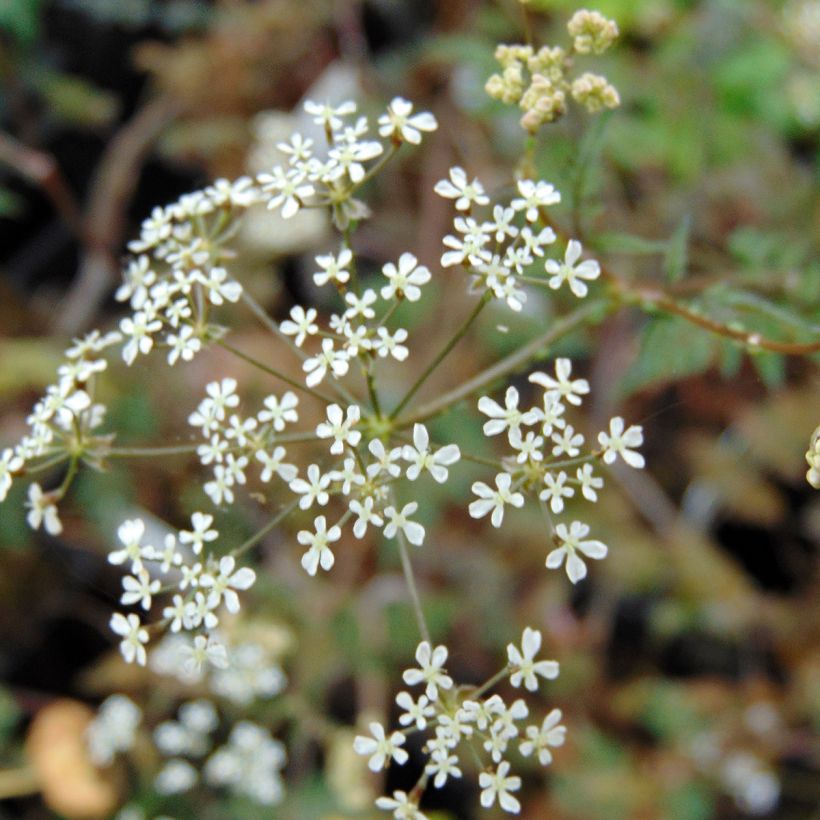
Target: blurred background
(690, 658)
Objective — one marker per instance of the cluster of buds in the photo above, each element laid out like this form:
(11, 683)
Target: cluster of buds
(538, 82)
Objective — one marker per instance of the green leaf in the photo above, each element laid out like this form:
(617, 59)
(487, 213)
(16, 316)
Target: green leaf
(671, 349)
(21, 19)
(677, 251)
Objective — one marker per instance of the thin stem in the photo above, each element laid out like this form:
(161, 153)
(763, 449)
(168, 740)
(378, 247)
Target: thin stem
(258, 536)
(371, 390)
(410, 579)
(271, 324)
(442, 354)
(150, 452)
(486, 686)
(46, 465)
(276, 373)
(505, 366)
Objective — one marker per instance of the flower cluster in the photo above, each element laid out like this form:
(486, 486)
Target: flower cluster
(538, 82)
(463, 724)
(813, 460)
(202, 583)
(547, 462)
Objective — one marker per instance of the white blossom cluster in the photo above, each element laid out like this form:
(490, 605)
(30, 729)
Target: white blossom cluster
(201, 582)
(547, 462)
(249, 763)
(463, 724)
(506, 252)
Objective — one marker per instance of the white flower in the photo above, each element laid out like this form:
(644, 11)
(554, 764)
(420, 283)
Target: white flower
(499, 785)
(391, 344)
(274, 464)
(183, 345)
(334, 268)
(280, 412)
(220, 287)
(317, 366)
(406, 279)
(524, 666)
(314, 489)
(113, 729)
(443, 765)
(539, 739)
(175, 777)
(360, 306)
(139, 588)
(42, 510)
(201, 532)
(401, 124)
(571, 545)
(288, 189)
(223, 583)
(534, 195)
(494, 500)
(339, 427)
(385, 460)
(319, 553)
(328, 116)
(502, 223)
(302, 323)
(139, 329)
(204, 650)
(415, 712)
(571, 273)
(464, 192)
(562, 387)
(508, 418)
(380, 747)
(431, 670)
(589, 482)
(366, 515)
(620, 443)
(401, 805)
(396, 521)
(556, 490)
(422, 458)
(9, 463)
(134, 636)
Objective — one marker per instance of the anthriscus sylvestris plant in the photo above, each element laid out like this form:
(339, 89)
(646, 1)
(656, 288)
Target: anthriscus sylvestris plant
(176, 283)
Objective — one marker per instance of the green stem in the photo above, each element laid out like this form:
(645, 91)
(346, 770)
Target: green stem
(258, 536)
(498, 676)
(442, 354)
(150, 452)
(276, 373)
(410, 579)
(503, 367)
(270, 324)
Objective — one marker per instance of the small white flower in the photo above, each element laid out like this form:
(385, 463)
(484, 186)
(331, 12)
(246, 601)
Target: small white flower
(571, 546)
(431, 670)
(317, 366)
(539, 739)
(224, 581)
(273, 463)
(339, 427)
(366, 514)
(220, 287)
(413, 531)
(556, 490)
(391, 344)
(401, 805)
(416, 713)
(380, 747)
(421, 457)
(494, 500)
(525, 668)
(534, 195)
(499, 785)
(287, 189)
(319, 553)
(385, 460)
(402, 125)
(443, 765)
(589, 482)
(138, 328)
(42, 510)
(328, 116)
(562, 386)
(568, 271)
(406, 279)
(203, 651)
(465, 193)
(280, 412)
(183, 345)
(302, 323)
(508, 418)
(134, 637)
(200, 533)
(620, 443)
(334, 268)
(502, 223)
(9, 463)
(312, 490)
(139, 588)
